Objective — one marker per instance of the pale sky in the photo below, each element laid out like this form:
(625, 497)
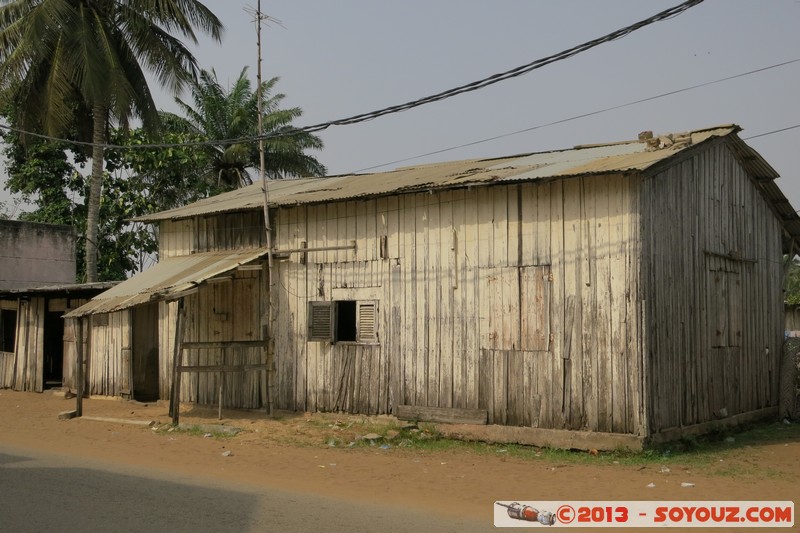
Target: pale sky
(337, 59)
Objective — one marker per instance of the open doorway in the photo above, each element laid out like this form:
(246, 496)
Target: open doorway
(145, 352)
(53, 360)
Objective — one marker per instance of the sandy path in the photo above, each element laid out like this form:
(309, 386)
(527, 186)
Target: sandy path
(278, 454)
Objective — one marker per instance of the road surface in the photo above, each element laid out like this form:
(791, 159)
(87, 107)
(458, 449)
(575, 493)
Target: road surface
(48, 492)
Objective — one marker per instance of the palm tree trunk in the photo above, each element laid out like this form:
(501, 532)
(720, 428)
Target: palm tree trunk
(95, 191)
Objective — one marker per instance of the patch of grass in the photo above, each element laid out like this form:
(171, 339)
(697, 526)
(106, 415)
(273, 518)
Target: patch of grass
(195, 431)
(705, 451)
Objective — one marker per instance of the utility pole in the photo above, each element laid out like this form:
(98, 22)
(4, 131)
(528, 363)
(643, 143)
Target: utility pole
(269, 336)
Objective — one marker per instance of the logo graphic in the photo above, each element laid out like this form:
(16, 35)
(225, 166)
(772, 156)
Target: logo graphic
(518, 511)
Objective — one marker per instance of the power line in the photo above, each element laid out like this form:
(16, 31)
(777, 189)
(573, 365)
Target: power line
(589, 114)
(363, 117)
(771, 132)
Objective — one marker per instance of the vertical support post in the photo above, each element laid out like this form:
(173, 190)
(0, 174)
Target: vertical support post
(79, 366)
(221, 384)
(270, 337)
(175, 392)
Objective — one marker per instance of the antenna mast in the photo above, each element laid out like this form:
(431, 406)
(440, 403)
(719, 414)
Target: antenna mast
(269, 333)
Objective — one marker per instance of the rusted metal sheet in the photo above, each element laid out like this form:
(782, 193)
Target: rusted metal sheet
(169, 277)
(619, 157)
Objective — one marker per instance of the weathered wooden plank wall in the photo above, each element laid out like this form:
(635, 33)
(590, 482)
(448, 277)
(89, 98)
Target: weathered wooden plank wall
(108, 359)
(231, 310)
(226, 231)
(522, 300)
(712, 272)
(227, 310)
(29, 348)
(70, 346)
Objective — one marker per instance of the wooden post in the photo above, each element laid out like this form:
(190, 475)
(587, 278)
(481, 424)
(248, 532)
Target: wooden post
(79, 366)
(221, 383)
(177, 357)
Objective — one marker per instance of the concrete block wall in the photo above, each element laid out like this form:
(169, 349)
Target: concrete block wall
(35, 255)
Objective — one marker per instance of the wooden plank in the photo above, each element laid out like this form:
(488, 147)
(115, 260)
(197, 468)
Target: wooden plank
(500, 229)
(592, 289)
(514, 226)
(433, 299)
(620, 381)
(224, 368)
(80, 379)
(534, 308)
(574, 397)
(458, 324)
(210, 345)
(499, 361)
(547, 438)
(472, 302)
(542, 255)
(446, 281)
(359, 230)
(486, 382)
(527, 217)
(446, 415)
(605, 236)
(515, 388)
(420, 300)
(175, 397)
(556, 382)
(408, 341)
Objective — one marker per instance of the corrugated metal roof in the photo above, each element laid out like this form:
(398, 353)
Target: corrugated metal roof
(63, 288)
(582, 160)
(628, 156)
(167, 278)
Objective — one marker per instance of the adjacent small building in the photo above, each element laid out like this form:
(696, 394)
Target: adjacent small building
(631, 291)
(34, 254)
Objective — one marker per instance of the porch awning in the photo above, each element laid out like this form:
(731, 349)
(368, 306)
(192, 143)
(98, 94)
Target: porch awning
(167, 279)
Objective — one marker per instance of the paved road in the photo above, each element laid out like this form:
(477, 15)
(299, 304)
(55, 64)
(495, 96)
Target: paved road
(43, 492)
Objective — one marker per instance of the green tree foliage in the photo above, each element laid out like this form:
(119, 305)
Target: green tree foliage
(792, 283)
(219, 113)
(52, 178)
(75, 65)
(167, 177)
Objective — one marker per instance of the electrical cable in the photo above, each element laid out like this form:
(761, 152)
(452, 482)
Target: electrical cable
(771, 132)
(363, 117)
(588, 114)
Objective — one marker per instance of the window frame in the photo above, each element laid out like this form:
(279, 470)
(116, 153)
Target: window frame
(324, 327)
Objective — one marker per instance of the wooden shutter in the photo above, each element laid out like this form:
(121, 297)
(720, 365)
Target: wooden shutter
(367, 322)
(320, 321)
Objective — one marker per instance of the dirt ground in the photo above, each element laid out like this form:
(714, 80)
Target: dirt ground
(293, 452)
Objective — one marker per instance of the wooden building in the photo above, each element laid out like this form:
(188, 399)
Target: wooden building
(631, 290)
(37, 347)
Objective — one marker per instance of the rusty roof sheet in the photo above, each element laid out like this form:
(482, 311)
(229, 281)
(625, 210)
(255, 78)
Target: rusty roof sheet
(59, 289)
(167, 279)
(628, 156)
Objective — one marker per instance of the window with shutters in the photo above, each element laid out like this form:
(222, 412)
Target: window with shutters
(343, 321)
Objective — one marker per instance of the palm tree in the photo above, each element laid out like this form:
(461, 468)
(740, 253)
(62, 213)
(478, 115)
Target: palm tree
(232, 114)
(70, 63)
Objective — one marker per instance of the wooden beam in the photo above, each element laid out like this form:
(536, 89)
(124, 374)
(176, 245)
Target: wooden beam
(671, 434)
(546, 438)
(223, 368)
(351, 246)
(446, 415)
(175, 393)
(213, 345)
(79, 367)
